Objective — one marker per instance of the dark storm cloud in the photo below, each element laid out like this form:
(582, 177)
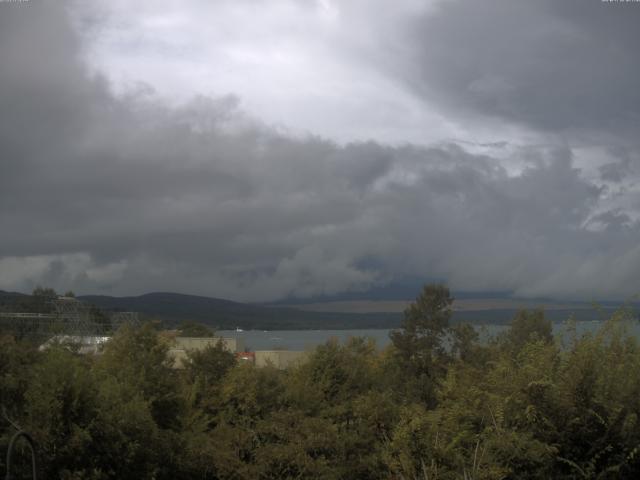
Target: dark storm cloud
(126, 195)
(550, 64)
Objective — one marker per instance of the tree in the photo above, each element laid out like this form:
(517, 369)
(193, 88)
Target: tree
(42, 292)
(61, 405)
(138, 356)
(464, 338)
(425, 322)
(210, 363)
(41, 300)
(189, 328)
(204, 371)
(418, 345)
(528, 326)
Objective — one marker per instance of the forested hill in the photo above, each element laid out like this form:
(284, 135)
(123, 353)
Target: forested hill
(8, 296)
(225, 314)
(174, 308)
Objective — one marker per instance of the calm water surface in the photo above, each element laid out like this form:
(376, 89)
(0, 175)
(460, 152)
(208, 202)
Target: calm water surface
(309, 339)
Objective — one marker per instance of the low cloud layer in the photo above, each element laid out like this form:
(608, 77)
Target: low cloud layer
(125, 194)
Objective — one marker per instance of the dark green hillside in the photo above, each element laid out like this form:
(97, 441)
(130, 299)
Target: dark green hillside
(174, 308)
(10, 298)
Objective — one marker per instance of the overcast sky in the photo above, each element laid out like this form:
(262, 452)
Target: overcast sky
(256, 150)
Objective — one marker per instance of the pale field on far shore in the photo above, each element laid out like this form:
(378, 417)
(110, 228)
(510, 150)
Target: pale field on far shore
(462, 305)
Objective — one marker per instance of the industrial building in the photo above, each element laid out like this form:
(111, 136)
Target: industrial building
(260, 358)
(180, 346)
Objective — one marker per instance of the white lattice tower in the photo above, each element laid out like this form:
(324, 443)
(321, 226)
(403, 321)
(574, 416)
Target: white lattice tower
(73, 317)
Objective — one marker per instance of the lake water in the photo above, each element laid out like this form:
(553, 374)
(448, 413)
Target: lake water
(300, 339)
(309, 339)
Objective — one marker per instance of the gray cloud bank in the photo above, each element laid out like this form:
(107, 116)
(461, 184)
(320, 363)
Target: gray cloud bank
(555, 65)
(126, 195)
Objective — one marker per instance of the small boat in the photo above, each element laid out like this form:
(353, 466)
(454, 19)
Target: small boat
(238, 329)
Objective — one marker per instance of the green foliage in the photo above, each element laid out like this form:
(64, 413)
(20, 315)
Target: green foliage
(418, 346)
(205, 370)
(61, 407)
(43, 292)
(436, 404)
(194, 329)
(527, 326)
(138, 357)
(425, 322)
(16, 360)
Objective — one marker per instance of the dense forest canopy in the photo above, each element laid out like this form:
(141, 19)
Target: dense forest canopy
(435, 404)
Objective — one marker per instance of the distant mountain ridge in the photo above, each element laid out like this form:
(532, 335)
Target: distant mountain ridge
(173, 308)
(158, 301)
(4, 293)
(226, 314)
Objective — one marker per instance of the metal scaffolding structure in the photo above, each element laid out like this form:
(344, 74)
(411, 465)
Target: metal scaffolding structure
(67, 316)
